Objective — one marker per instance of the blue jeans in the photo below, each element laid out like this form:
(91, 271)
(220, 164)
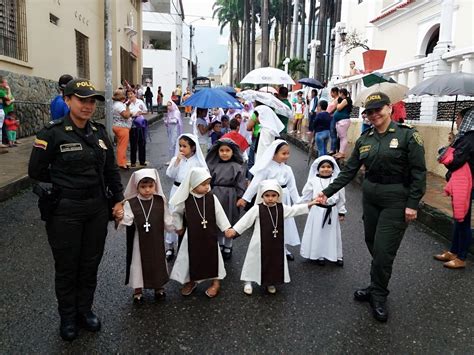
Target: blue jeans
(462, 235)
(333, 134)
(322, 139)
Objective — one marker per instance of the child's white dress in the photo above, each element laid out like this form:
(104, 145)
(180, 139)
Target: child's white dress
(320, 241)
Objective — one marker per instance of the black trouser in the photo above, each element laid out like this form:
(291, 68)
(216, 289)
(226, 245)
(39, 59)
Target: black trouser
(137, 139)
(149, 105)
(4, 134)
(76, 234)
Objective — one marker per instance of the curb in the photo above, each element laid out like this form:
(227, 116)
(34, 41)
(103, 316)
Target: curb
(431, 217)
(13, 187)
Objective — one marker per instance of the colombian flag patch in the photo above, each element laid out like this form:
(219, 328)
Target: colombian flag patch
(39, 143)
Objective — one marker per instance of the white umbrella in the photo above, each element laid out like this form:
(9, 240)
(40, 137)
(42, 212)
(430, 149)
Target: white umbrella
(267, 75)
(395, 92)
(267, 99)
(269, 89)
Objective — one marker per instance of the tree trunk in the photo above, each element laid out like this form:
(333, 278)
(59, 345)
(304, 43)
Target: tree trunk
(319, 63)
(247, 36)
(281, 55)
(265, 36)
(288, 30)
(252, 47)
(303, 44)
(241, 53)
(311, 20)
(231, 68)
(294, 37)
(275, 52)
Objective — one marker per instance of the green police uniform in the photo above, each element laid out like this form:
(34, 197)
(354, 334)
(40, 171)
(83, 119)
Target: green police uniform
(395, 179)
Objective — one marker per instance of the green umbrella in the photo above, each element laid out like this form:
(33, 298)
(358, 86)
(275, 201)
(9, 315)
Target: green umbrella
(376, 78)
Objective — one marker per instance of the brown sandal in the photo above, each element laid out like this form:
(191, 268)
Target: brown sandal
(188, 288)
(213, 291)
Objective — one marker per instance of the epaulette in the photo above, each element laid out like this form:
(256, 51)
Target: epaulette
(53, 123)
(406, 125)
(367, 131)
(96, 125)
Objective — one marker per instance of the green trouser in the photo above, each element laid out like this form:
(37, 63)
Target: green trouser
(384, 226)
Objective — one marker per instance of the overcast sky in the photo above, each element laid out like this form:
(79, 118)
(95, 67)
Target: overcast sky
(210, 46)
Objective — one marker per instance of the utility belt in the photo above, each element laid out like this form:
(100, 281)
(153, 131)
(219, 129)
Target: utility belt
(79, 194)
(387, 180)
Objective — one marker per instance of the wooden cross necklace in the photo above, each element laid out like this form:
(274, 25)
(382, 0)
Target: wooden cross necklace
(203, 215)
(274, 223)
(146, 225)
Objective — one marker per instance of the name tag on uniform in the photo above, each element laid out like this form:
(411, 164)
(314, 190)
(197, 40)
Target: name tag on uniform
(70, 147)
(394, 143)
(102, 144)
(364, 148)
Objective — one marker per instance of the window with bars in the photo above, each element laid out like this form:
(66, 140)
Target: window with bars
(13, 40)
(82, 55)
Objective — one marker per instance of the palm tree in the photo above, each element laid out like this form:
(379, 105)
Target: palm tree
(265, 36)
(296, 68)
(227, 15)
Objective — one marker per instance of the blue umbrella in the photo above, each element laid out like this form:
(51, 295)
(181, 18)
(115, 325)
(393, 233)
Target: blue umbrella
(311, 83)
(228, 89)
(212, 97)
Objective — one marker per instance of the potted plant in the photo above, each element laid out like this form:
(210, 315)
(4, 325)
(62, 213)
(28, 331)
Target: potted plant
(373, 58)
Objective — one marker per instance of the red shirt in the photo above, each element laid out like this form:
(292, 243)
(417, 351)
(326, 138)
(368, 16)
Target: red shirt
(12, 124)
(238, 139)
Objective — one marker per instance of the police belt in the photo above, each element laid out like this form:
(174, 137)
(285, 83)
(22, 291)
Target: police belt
(80, 194)
(385, 179)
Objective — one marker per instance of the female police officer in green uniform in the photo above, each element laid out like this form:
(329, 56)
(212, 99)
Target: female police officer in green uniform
(75, 155)
(395, 181)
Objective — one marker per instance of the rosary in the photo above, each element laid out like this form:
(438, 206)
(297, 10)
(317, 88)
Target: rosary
(146, 225)
(274, 223)
(203, 215)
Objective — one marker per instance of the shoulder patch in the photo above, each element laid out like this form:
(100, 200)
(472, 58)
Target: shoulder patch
(406, 125)
(418, 138)
(53, 123)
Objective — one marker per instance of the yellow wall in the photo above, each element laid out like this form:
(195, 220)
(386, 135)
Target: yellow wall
(52, 49)
(434, 137)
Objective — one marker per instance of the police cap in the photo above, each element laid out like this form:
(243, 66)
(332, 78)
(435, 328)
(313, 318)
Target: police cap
(82, 88)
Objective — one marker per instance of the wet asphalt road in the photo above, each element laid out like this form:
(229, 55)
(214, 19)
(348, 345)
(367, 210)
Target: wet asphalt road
(430, 307)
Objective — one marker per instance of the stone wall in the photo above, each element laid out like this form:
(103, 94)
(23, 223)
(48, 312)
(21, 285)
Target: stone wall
(32, 98)
(446, 110)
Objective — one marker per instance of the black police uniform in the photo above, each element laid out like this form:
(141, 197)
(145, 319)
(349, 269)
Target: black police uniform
(80, 164)
(395, 179)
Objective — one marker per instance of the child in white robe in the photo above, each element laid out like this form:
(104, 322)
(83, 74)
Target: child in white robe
(146, 202)
(188, 155)
(273, 166)
(322, 233)
(199, 256)
(265, 262)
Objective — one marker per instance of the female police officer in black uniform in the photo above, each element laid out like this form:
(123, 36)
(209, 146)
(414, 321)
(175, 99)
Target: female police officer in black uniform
(76, 156)
(395, 181)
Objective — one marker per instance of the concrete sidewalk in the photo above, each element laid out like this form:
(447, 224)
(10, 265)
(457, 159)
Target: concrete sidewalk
(14, 165)
(435, 210)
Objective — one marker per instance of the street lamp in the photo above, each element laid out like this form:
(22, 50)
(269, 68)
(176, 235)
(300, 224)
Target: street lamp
(190, 67)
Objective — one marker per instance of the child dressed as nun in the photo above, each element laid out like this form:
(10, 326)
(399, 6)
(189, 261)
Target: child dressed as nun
(265, 262)
(199, 257)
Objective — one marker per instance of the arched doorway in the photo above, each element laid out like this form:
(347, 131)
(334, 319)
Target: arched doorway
(433, 39)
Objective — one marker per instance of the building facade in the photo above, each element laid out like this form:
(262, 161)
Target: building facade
(163, 62)
(41, 40)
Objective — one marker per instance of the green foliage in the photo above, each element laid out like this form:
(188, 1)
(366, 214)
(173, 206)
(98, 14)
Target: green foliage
(296, 68)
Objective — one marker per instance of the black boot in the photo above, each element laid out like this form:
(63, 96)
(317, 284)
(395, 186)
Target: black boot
(362, 295)
(89, 321)
(68, 329)
(379, 310)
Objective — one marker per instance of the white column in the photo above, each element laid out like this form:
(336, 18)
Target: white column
(446, 26)
(338, 53)
(313, 46)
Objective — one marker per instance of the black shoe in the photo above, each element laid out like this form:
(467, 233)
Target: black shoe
(68, 329)
(321, 262)
(379, 310)
(340, 262)
(362, 295)
(227, 253)
(290, 257)
(160, 294)
(89, 321)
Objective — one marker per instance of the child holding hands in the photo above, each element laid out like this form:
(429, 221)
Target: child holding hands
(322, 233)
(199, 257)
(265, 262)
(146, 216)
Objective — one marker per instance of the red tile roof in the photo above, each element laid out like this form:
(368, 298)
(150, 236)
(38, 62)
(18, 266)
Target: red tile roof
(392, 10)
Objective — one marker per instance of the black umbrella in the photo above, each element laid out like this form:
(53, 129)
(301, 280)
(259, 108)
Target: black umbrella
(451, 84)
(311, 83)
